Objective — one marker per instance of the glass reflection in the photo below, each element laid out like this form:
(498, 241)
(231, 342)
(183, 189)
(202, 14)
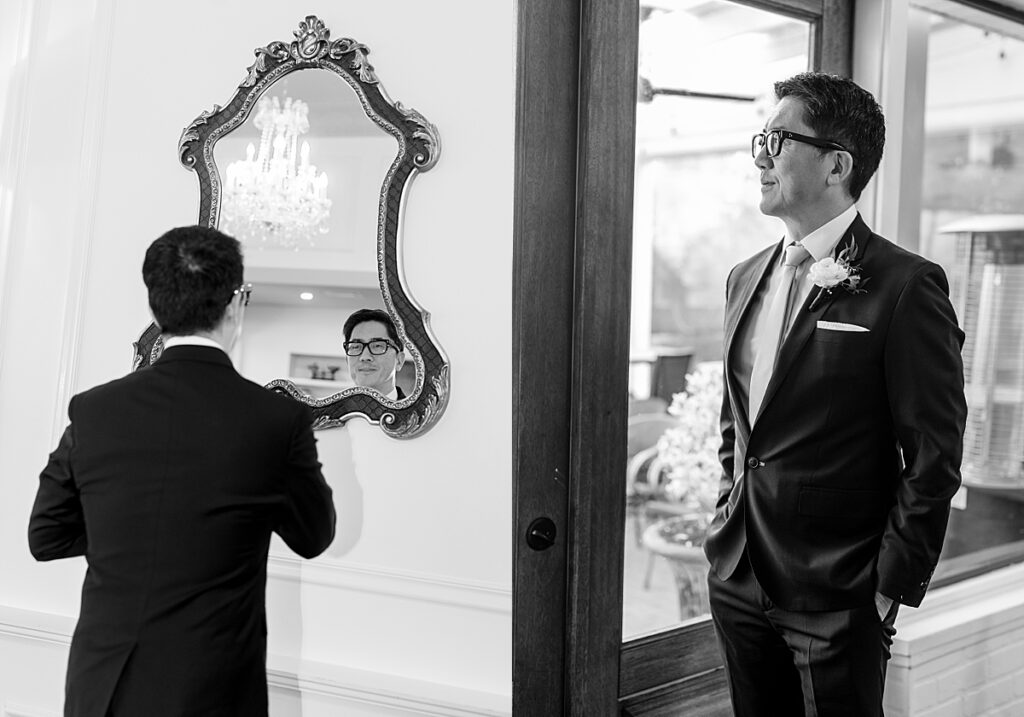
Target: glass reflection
(704, 70)
(375, 352)
(972, 223)
(276, 196)
(302, 178)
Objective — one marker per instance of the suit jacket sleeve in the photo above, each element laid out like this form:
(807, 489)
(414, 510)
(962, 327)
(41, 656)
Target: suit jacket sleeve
(56, 527)
(308, 520)
(925, 383)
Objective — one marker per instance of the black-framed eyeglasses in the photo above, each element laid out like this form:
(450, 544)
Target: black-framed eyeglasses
(377, 347)
(246, 291)
(772, 141)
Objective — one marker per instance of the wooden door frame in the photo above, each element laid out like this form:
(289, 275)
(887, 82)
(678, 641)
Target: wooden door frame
(544, 228)
(575, 118)
(574, 164)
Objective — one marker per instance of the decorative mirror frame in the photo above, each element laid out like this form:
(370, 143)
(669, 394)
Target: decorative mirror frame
(418, 150)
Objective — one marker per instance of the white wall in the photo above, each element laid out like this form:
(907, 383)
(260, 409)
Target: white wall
(410, 611)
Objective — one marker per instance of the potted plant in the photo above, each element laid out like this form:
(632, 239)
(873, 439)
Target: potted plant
(688, 467)
(688, 453)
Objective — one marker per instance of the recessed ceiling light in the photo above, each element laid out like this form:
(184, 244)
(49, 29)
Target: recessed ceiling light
(306, 296)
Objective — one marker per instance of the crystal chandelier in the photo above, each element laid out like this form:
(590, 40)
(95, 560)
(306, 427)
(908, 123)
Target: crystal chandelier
(275, 198)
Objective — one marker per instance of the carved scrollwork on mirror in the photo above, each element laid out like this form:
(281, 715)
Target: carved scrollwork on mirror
(263, 96)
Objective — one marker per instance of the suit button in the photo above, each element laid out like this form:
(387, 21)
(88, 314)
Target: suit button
(753, 462)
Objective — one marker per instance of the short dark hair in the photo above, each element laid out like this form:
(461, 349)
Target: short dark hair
(839, 109)
(363, 315)
(191, 273)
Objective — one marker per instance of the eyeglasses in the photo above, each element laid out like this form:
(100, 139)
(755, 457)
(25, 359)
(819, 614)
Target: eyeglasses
(377, 347)
(246, 291)
(772, 141)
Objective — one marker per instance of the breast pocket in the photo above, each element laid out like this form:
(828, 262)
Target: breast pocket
(843, 353)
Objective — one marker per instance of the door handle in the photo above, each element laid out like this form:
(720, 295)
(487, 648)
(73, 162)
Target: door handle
(541, 534)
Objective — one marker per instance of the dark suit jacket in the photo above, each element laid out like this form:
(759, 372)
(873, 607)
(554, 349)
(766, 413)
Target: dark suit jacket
(170, 481)
(849, 470)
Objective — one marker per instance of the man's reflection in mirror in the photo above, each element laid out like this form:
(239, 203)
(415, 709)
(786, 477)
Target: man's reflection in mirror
(374, 352)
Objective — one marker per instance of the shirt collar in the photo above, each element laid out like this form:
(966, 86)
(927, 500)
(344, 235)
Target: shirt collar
(191, 341)
(823, 240)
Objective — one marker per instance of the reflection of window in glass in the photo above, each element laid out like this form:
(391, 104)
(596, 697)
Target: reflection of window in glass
(972, 223)
(706, 74)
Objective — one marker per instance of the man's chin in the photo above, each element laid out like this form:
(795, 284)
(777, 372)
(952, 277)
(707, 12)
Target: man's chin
(767, 207)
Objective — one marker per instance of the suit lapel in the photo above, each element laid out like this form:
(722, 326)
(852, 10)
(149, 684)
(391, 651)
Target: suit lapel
(736, 313)
(806, 319)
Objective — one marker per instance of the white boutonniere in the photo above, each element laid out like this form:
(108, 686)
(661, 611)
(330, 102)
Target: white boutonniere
(843, 272)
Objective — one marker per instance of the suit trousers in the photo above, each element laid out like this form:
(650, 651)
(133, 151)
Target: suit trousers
(781, 663)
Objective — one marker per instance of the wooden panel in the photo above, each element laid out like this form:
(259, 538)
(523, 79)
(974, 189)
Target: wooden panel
(608, 73)
(543, 261)
(667, 657)
(704, 695)
(803, 9)
(835, 50)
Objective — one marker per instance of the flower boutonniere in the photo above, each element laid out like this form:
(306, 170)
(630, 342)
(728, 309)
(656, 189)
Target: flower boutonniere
(841, 272)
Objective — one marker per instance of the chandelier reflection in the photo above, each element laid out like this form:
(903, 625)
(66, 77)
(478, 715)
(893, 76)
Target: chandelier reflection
(275, 198)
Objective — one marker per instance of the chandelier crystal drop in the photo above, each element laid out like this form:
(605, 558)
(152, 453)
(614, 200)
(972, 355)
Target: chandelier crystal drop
(275, 198)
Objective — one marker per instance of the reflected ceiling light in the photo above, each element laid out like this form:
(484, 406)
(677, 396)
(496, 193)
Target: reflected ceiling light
(306, 296)
(274, 197)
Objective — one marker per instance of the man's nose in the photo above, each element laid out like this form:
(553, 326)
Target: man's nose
(762, 160)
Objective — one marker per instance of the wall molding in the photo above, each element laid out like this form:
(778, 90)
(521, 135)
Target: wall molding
(381, 690)
(13, 710)
(45, 627)
(292, 676)
(408, 585)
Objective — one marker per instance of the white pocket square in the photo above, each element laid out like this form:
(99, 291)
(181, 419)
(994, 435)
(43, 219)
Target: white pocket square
(839, 326)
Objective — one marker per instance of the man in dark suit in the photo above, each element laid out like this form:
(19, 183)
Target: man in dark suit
(842, 423)
(170, 482)
(374, 351)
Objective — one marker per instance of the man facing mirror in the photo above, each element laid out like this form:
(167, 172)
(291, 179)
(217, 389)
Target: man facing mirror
(374, 351)
(170, 481)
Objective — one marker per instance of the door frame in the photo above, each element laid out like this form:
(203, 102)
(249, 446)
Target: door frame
(573, 195)
(575, 117)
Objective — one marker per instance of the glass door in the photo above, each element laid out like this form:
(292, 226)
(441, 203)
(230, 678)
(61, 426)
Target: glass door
(705, 79)
(706, 74)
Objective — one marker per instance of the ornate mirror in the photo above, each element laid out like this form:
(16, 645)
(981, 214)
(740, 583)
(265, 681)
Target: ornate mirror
(309, 170)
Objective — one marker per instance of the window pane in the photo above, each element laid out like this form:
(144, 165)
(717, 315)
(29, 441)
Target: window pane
(972, 223)
(706, 73)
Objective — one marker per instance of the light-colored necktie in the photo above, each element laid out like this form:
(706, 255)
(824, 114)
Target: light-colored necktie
(773, 329)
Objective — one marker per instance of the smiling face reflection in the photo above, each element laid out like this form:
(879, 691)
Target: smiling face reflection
(374, 352)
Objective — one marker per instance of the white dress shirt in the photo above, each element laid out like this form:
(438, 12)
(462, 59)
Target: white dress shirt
(820, 243)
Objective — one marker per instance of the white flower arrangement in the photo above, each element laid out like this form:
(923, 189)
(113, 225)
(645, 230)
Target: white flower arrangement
(689, 453)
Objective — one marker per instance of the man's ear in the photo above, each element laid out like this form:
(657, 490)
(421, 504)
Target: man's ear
(399, 360)
(232, 310)
(842, 167)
